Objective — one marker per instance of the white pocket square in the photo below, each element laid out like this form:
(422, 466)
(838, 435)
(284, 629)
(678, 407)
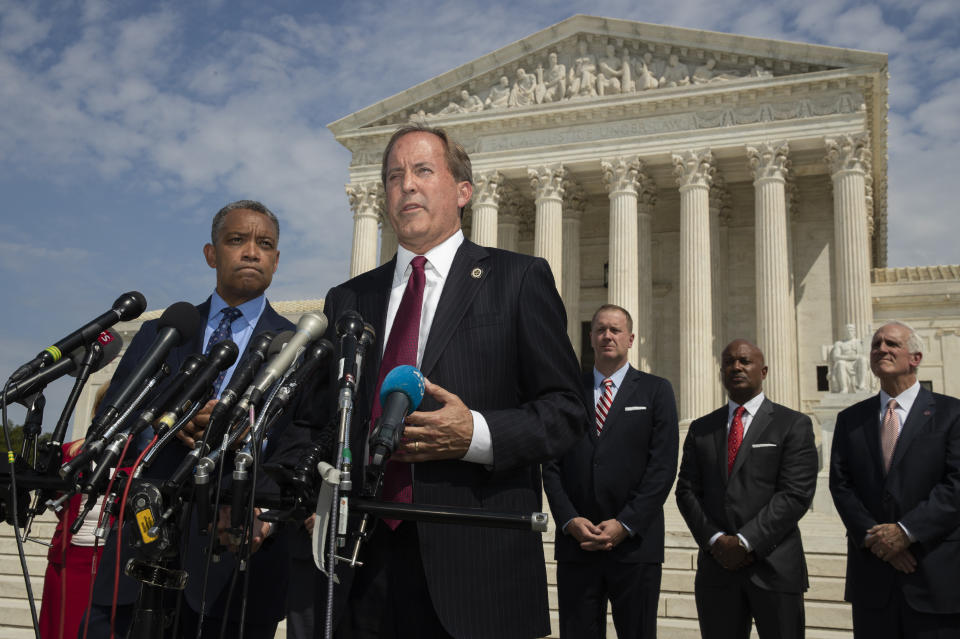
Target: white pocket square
(764, 446)
(628, 408)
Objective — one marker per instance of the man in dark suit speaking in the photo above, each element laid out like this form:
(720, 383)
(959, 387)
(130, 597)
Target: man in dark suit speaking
(607, 492)
(748, 474)
(895, 479)
(243, 251)
(488, 330)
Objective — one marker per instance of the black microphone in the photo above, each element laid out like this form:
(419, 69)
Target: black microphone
(179, 322)
(111, 344)
(349, 328)
(147, 416)
(315, 354)
(126, 307)
(309, 327)
(256, 355)
(221, 357)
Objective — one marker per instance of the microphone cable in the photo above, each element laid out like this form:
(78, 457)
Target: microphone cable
(11, 459)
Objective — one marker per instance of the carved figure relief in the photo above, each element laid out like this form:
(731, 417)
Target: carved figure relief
(581, 73)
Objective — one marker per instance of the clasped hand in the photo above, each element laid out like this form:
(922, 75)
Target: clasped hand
(889, 543)
(603, 536)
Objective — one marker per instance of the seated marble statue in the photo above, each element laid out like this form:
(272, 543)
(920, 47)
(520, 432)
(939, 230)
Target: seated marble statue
(759, 72)
(676, 74)
(583, 76)
(499, 94)
(609, 81)
(523, 91)
(704, 73)
(849, 366)
(552, 85)
(468, 104)
(646, 76)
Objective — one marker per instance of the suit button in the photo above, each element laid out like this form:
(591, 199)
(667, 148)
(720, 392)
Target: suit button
(887, 497)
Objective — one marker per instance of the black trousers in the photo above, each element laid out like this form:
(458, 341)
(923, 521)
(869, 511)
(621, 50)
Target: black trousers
(725, 611)
(583, 589)
(898, 620)
(186, 627)
(390, 598)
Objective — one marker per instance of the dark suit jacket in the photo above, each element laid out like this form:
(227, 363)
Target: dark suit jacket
(771, 487)
(626, 473)
(268, 565)
(922, 491)
(498, 340)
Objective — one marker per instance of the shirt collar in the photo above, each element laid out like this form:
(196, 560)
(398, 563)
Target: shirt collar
(751, 406)
(249, 310)
(905, 399)
(440, 257)
(617, 376)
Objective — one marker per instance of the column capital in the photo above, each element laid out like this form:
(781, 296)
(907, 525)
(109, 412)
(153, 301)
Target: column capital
(366, 199)
(487, 187)
(547, 181)
(769, 161)
(622, 174)
(646, 195)
(574, 199)
(693, 168)
(848, 153)
(720, 199)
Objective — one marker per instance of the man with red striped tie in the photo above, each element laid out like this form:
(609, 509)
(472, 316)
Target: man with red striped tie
(607, 492)
(748, 474)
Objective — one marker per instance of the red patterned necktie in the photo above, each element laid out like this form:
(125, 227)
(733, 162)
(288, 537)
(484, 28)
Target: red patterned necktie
(401, 349)
(889, 433)
(603, 406)
(735, 438)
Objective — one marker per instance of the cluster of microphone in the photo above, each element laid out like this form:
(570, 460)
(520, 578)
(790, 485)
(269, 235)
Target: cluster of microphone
(275, 369)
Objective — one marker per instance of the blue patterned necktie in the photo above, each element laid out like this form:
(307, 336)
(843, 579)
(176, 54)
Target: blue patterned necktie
(221, 333)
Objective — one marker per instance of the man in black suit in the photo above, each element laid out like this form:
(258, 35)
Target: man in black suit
(489, 333)
(243, 251)
(607, 492)
(895, 479)
(748, 474)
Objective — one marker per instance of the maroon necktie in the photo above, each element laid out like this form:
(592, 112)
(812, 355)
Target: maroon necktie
(401, 349)
(735, 438)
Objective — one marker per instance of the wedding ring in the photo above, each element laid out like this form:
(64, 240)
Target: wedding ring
(416, 446)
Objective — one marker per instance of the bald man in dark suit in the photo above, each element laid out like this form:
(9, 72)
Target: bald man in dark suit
(748, 474)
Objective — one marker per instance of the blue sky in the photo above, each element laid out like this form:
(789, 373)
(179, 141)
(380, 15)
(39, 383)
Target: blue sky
(125, 125)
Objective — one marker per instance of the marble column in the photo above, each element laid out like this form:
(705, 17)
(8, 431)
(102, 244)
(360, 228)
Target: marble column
(508, 218)
(719, 200)
(547, 182)
(643, 322)
(694, 172)
(620, 178)
(574, 203)
(848, 157)
(486, 200)
(365, 201)
(775, 314)
(388, 240)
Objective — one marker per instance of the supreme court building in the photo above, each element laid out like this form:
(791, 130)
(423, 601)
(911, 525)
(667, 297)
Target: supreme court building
(716, 186)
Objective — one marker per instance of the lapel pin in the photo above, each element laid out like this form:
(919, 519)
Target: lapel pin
(476, 273)
(926, 413)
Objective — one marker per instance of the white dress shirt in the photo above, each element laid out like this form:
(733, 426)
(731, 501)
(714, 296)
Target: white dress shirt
(436, 270)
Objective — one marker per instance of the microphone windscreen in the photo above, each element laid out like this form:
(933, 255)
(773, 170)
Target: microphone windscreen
(182, 317)
(130, 305)
(405, 379)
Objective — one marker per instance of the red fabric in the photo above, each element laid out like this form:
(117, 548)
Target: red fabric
(735, 438)
(68, 571)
